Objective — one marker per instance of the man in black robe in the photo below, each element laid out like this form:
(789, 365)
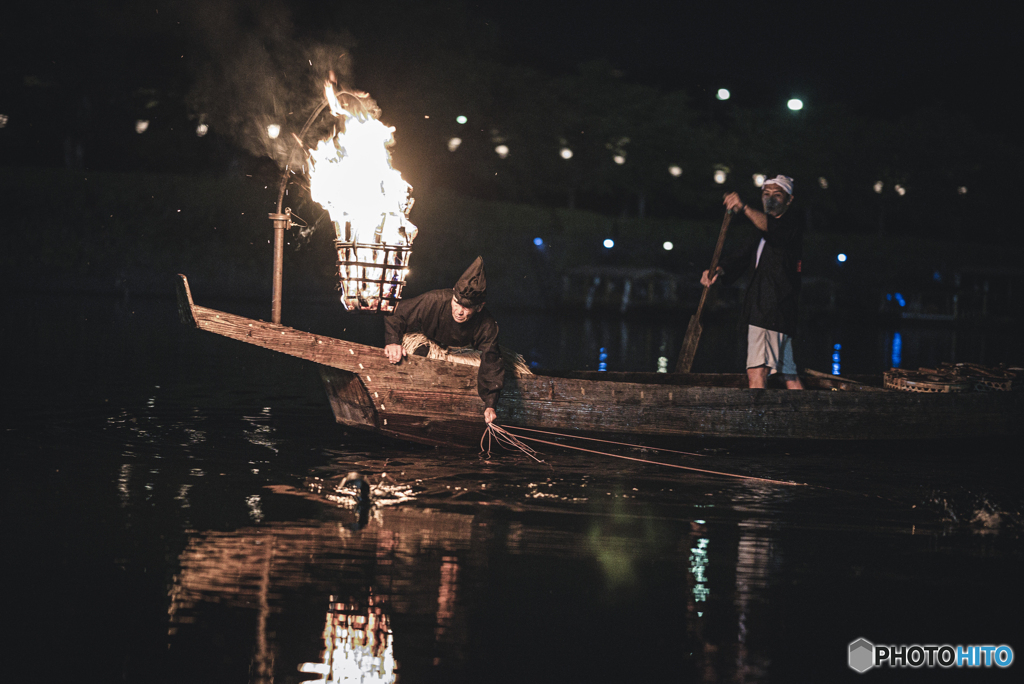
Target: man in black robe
(454, 317)
(770, 305)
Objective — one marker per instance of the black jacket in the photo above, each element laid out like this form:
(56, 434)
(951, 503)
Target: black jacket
(431, 314)
(772, 298)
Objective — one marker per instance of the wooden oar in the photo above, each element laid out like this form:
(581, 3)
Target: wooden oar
(693, 330)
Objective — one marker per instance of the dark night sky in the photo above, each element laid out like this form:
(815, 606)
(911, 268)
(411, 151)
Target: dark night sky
(875, 56)
(880, 59)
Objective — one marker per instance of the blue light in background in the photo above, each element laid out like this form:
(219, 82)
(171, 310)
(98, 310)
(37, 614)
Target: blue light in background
(602, 360)
(608, 243)
(841, 258)
(835, 358)
(538, 241)
(937, 277)
(899, 298)
(888, 297)
(897, 350)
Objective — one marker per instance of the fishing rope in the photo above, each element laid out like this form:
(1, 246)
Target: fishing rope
(500, 434)
(505, 439)
(606, 441)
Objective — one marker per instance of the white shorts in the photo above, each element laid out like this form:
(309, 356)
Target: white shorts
(770, 348)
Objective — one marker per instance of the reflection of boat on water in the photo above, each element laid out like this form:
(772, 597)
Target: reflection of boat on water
(435, 402)
(349, 586)
(422, 594)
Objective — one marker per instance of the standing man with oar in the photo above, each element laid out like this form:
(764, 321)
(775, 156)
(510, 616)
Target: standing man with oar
(770, 305)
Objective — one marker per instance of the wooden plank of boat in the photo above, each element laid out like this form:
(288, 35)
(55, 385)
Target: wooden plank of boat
(435, 402)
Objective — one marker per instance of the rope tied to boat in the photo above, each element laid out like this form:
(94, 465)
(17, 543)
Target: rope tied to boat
(507, 437)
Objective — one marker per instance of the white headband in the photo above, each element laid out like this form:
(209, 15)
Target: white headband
(784, 182)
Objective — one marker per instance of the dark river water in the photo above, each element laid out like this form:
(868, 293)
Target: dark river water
(172, 513)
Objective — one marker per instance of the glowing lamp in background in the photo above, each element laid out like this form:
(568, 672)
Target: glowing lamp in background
(501, 151)
(141, 125)
(723, 94)
(823, 183)
(878, 187)
(3, 120)
(720, 176)
(962, 190)
(608, 243)
(202, 129)
(900, 190)
(759, 179)
(841, 258)
(453, 144)
(538, 241)
(619, 159)
(273, 130)
(461, 119)
(675, 171)
(667, 246)
(565, 153)
(795, 104)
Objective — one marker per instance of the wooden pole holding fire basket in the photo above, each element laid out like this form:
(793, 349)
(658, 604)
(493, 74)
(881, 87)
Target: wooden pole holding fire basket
(281, 223)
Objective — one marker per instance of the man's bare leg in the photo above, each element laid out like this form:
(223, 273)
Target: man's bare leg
(792, 381)
(757, 378)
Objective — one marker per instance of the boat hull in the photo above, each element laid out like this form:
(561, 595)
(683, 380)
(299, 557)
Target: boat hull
(435, 402)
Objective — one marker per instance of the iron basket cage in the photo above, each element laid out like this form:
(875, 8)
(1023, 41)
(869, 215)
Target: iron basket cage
(372, 275)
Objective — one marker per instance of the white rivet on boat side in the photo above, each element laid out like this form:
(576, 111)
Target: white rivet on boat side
(360, 366)
(368, 379)
(641, 394)
(382, 407)
(670, 396)
(351, 352)
(582, 390)
(376, 396)
(385, 421)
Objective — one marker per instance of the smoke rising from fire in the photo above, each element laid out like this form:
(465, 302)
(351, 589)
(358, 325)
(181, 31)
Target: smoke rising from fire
(252, 69)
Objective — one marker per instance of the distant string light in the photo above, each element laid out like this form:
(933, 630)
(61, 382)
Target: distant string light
(878, 187)
(453, 144)
(723, 94)
(841, 258)
(3, 120)
(795, 104)
(502, 151)
(141, 125)
(565, 153)
(759, 179)
(667, 246)
(720, 176)
(677, 171)
(461, 119)
(619, 159)
(273, 130)
(823, 183)
(900, 190)
(202, 129)
(962, 190)
(608, 243)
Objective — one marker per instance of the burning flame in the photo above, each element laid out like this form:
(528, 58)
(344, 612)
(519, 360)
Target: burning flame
(351, 176)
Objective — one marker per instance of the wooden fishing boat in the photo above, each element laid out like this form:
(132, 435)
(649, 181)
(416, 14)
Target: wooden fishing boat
(435, 402)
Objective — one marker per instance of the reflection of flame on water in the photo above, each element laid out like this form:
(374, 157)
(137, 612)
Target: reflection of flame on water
(358, 644)
(351, 176)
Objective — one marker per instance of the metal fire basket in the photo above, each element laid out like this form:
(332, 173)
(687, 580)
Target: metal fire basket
(372, 275)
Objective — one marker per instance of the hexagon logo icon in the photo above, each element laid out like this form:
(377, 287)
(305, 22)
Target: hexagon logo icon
(862, 655)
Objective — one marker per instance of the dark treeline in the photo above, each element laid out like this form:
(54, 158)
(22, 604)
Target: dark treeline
(638, 148)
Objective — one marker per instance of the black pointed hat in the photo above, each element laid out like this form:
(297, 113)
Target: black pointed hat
(471, 290)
